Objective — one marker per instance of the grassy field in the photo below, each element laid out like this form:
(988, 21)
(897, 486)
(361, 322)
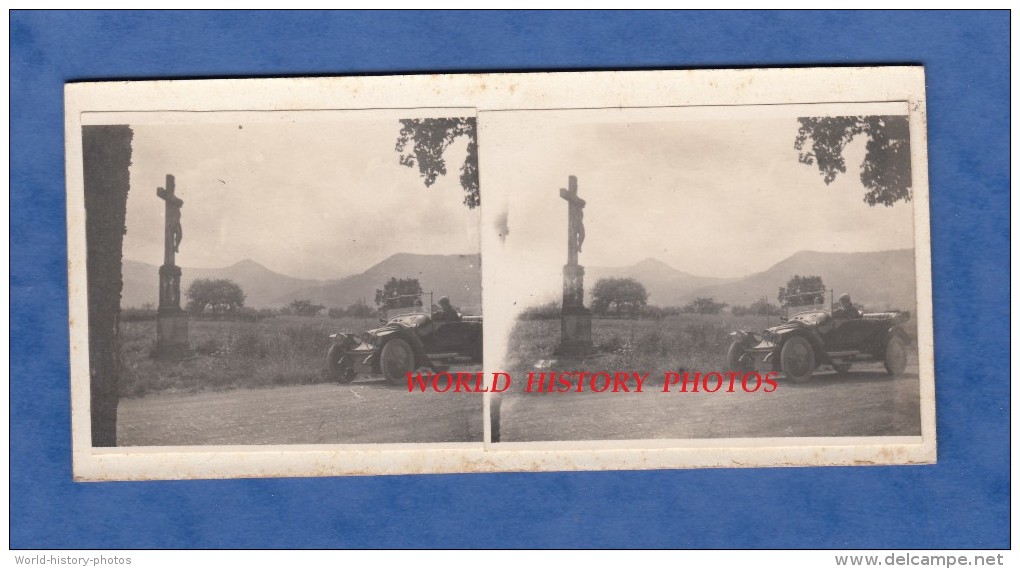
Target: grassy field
(694, 342)
(291, 350)
(217, 395)
(684, 341)
(286, 350)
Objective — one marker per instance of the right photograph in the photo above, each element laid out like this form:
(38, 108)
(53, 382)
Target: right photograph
(702, 273)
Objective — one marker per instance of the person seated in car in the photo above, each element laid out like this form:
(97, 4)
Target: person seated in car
(446, 312)
(846, 308)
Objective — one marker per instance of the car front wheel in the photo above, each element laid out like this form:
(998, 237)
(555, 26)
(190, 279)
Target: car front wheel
(895, 356)
(396, 360)
(797, 359)
(338, 369)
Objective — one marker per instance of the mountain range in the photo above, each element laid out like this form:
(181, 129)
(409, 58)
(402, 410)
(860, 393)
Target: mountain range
(666, 286)
(877, 280)
(456, 276)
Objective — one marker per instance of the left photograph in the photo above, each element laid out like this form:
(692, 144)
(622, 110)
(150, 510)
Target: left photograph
(271, 277)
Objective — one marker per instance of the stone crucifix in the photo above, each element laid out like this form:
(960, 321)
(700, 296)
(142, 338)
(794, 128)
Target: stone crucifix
(575, 319)
(575, 220)
(171, 321)
(172, 230)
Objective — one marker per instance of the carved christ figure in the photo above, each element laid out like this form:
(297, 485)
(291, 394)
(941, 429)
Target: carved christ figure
(577, 225)
(173, 233)
(575, 220)
(173, 227)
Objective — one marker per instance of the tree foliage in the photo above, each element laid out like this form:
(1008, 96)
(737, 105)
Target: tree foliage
(618, 295)
(106, 159)
(798, 288)
(398, 293)
(760, 308)
(304, 307)
(428, 140)
(357, 309)
(885, 171)
(219, 296)
(704, 305)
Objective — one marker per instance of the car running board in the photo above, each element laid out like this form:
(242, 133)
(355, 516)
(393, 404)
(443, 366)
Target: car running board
(845, 354)
(443, 356)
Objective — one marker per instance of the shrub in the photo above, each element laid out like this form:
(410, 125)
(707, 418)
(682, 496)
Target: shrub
(659, 312)
(223, 296)
(305, 308)
(547, 311)
(623, 296)
(254, 315)
(703, 305)
(142, 314)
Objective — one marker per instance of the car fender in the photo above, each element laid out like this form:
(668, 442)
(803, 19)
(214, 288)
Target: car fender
(896, 331)
(412, 339)
(745, 338)
(812, 337)
(344, 340)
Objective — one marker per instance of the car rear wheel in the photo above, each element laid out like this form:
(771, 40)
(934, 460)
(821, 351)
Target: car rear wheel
(337, 369)
(733, 356)
(895, 355)
(396, 360)
(797, 359)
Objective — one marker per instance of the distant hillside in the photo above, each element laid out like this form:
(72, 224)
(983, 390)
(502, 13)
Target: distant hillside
(878, 280)
(456, 276)
(666, 286)
(261, 285)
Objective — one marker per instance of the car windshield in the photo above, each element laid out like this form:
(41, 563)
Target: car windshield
(405, 305)
(405, 311)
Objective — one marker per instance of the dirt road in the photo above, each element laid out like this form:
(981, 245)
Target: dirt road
(366, 411)
(865, 402)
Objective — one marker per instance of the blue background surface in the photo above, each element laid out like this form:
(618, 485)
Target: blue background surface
(961, 502)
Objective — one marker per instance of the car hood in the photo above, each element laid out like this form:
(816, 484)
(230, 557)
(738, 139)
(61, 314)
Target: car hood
(384, 328)
(787, 327)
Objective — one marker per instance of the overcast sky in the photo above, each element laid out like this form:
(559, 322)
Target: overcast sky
(710, 195)
(313, 196)
(321, 194)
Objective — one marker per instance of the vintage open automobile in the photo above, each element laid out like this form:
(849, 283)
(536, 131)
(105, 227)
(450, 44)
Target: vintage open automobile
(813, 337)
(408, 340)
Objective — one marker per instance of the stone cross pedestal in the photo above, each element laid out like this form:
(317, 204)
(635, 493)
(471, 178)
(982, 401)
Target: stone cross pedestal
(171, 321)
(575, 319)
